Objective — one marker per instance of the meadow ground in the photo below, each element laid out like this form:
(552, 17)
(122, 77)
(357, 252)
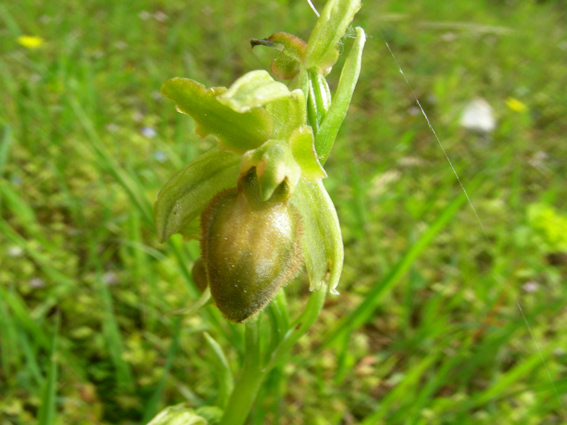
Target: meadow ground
(428, 327)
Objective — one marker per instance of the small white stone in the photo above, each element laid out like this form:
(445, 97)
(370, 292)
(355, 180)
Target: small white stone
(478, 116)
(160, 16)
(159, 156)
(110, 278)
(15, 251)
(149, 132)
(36, 282)
(144, 15)
(530, 287)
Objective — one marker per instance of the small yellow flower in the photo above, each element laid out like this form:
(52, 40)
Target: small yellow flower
(30, 41)
(516, 105)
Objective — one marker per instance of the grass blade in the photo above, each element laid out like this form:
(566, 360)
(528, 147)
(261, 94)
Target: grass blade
(365, 310)
(225, 377)
(153, 404)
(47, 410)
(5, 148)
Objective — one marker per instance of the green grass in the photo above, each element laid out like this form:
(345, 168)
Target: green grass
(427, 328)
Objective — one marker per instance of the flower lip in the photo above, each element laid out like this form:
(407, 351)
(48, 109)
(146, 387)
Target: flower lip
(251, 248)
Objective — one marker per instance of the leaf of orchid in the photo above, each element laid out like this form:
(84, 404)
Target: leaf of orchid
(322, 49)
(329, 128)
(274, 162)
(291, 48)
(322, 241)
(235, 132)
(302, 145)
(254, 89)
(186, 194)
(287, 113)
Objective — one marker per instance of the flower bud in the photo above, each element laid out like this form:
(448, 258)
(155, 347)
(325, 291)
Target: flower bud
(251, 248)
(199, 275)
(179, 414)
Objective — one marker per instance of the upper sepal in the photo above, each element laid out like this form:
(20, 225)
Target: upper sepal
(235, 131)
(186, 194)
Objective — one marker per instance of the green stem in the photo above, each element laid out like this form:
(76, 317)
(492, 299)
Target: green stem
(253, 371)
(251, 377)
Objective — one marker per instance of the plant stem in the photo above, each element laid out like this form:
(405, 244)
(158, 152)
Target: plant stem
(253, 370)
(250, 379)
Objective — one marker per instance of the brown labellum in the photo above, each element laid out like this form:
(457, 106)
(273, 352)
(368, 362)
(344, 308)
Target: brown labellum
(251, 248)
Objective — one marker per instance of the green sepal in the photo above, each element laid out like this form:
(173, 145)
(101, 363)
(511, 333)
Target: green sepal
(302, 145)
(252, 90)
(322, 241)
(287, 113)
(180, 414)
(274, 163)
(329, 128)
(292, 48)
(236, 132)
(186, 194)
(322, 49)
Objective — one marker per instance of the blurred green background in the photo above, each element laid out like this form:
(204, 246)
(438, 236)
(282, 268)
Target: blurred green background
(428, 327)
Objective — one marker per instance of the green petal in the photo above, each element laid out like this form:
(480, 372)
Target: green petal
(288, 113)
(322, 49)
(302, 145)
(322, 241)
(254, 89)
(236, 132)
(186, 194)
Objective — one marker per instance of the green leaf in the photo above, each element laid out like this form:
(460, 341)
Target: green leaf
(322, 49)
(302, 145)
(187, 193)
(337, 112)
(322, 241)
(236, 132)
(252, 90)
(225, 377)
